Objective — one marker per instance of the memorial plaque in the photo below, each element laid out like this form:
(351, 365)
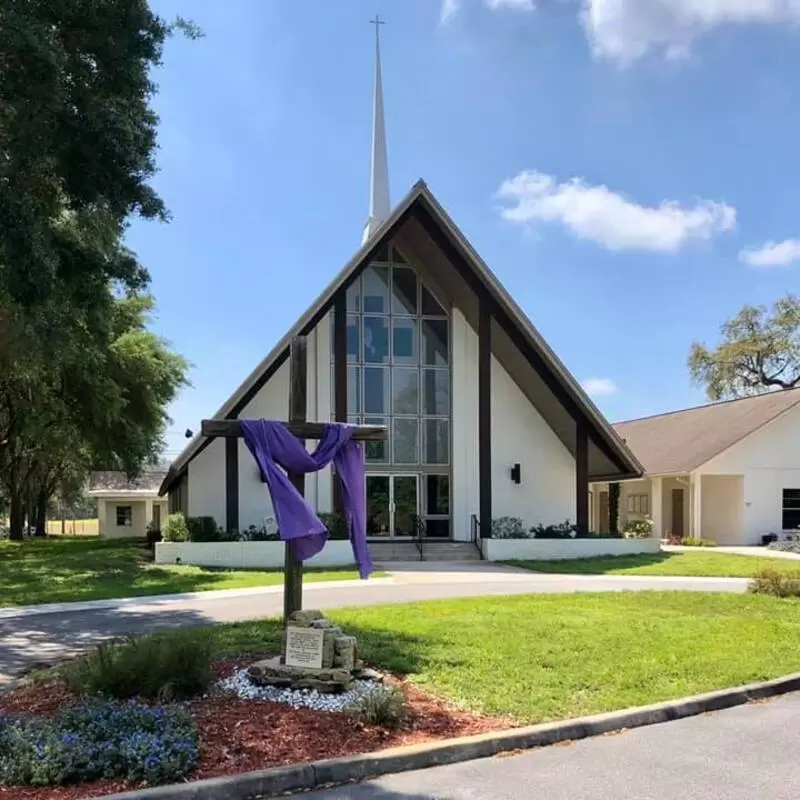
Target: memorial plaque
(304, 647)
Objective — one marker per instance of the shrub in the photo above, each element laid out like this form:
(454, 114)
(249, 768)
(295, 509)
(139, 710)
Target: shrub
(254, 534)
(639, 529)
(791, 545)
(776, 583)
(175, 528)
(564, 530)
(172, 667)
(204, 529)
(508, 528)
(336, 525)
(385, 707)
(98, 740)
(696, 541)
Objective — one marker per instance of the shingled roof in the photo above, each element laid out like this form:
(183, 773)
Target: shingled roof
(682, 441)
(119, 482)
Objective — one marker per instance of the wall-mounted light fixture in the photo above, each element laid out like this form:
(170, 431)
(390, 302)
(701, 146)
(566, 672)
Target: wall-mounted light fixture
(516, 474)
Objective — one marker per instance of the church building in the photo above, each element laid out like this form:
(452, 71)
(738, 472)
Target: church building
(417, 334)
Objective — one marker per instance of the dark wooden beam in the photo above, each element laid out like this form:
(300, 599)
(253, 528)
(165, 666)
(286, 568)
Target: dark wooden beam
(485, 417)
(232, 429)
(582, 478)
(339, 377)
(231, 484)
(298, 406)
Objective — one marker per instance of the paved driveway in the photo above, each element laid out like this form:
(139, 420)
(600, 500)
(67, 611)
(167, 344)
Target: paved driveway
(744, 753)
(32, 638)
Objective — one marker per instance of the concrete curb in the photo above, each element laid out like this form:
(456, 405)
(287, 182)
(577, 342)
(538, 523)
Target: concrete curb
(339, 771)
(14, 612)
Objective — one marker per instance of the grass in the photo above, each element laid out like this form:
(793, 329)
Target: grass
(545, 657)
(700, 564)
(64, 570)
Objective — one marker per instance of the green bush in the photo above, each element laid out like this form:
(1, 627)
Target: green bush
(776, 583)
(204, 529)
(639, 529)
(696, 541)
(508, 528)
(385, 707)
(98, 740)
(336, 525)
(175, 528)
(164, 668)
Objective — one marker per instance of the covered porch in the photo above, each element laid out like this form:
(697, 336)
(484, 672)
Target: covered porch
(680, 506)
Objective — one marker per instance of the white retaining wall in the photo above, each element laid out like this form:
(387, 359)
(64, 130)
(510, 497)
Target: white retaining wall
(560, 549)
(248, 555)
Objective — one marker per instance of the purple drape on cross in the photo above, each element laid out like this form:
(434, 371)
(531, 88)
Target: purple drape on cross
(273, 446)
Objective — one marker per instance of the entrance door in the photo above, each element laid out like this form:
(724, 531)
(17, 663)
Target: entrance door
(677, 513)
(392, 505)
(604, 515)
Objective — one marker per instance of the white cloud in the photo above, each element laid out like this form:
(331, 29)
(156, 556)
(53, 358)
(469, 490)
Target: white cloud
(610, 219)
(451, 7)
(627, 29)
(600, 387)
(772, 254)
(518, 5)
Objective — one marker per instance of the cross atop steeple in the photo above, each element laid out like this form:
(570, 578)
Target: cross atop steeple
(379, 203)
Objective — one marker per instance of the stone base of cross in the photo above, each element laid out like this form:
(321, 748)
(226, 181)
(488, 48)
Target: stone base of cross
(302, 429)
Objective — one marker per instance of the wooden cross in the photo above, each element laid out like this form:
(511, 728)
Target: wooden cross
(302, 429)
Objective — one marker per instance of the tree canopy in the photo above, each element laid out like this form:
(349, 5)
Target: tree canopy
(83, 382)
(759, 351)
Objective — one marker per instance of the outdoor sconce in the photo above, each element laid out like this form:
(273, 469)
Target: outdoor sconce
(516, 474)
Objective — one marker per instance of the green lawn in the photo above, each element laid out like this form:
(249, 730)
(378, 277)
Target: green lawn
(544, 657)
(700, 564)
(64, 570)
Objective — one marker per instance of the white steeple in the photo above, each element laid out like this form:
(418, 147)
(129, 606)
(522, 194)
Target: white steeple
(379, 204)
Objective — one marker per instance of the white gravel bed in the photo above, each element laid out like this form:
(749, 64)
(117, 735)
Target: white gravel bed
(240, 684)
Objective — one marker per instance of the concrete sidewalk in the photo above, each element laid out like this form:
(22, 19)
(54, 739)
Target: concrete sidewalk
(754, 551)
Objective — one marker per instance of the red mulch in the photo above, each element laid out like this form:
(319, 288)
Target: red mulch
(244, 735)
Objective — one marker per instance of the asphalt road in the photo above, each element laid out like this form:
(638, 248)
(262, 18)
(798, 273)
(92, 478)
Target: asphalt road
(31, 640)
(744, 753)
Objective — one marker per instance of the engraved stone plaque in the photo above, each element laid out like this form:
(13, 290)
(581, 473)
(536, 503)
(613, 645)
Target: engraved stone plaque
(304, 647)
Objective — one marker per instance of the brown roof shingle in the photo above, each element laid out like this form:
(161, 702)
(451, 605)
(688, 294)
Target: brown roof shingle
(681, 441)
(118, 481)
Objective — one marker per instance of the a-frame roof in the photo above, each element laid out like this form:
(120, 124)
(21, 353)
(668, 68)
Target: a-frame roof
(420, 211)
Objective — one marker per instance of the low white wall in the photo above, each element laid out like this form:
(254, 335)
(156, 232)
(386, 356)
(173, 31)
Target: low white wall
(247, 555)
(560, 549)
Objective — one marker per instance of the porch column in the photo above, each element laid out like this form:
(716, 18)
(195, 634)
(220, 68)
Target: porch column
(101, 518)
(485, 416)
(148, 512)
(582, 477)
(696, 482)
(656, 508)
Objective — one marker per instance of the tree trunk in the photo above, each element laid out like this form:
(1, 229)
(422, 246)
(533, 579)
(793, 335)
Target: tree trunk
(613, 507)
(41, 513)
(16, 517)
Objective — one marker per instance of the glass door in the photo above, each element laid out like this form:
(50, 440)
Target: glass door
(405, 504)
(378, 505)
(392, 505)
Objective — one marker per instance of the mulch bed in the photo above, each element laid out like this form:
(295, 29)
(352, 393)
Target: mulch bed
(244, 735)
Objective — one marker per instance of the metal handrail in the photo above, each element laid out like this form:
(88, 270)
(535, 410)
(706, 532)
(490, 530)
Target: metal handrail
(419, 527)
(476, 537)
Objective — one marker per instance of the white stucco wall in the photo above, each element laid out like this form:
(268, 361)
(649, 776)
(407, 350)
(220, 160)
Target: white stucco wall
(723, 509)
(247, 555)
(465, 494)
(107, 519)
(520, 435)
(207, 483)
(769, 461)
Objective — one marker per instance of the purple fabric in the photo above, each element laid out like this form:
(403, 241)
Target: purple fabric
(273, 446)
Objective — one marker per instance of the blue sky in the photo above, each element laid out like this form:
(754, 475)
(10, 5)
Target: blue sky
(628, 168)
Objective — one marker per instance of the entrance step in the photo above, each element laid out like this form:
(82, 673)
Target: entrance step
(432, 551)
